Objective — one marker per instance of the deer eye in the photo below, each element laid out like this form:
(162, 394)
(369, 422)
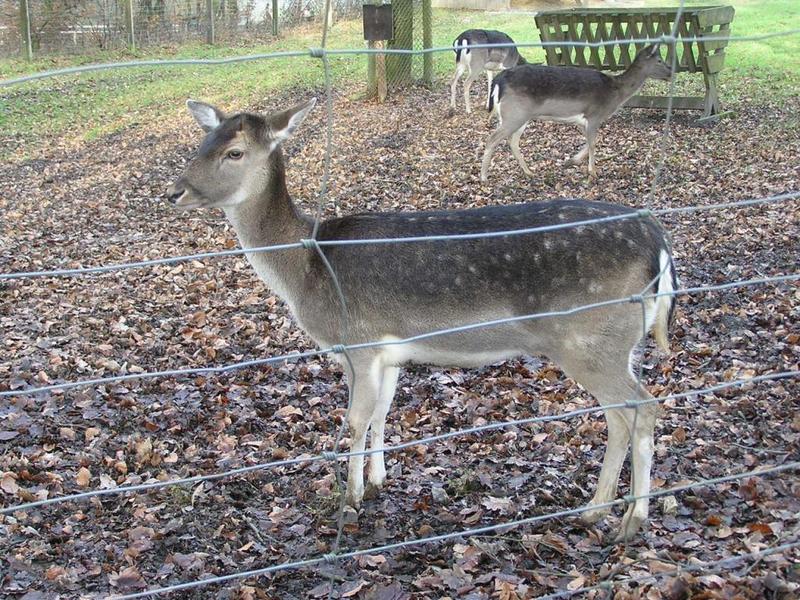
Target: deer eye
(234, 154)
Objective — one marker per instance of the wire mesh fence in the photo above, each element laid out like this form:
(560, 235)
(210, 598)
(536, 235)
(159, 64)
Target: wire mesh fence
(92, 26)
(405, 57)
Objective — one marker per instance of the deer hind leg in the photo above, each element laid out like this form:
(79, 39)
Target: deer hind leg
(377, 469)
(454, 84)
(508, 125)
(472, 75)
(642, 445)
(513, 141)
(365, 383)
(580, 156)
(609, 379)
(591, 140)
(467, 85)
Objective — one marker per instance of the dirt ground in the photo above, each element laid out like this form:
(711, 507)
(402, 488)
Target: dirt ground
(102, 202)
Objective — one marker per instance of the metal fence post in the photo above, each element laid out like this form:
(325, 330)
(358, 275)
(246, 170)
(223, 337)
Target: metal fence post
(25, 28)
(129, 25)
(210, 34)
(274, 18)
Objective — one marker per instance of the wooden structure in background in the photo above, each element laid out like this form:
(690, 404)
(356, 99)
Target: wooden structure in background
(378, 27)
(410, 26)
(623, 25)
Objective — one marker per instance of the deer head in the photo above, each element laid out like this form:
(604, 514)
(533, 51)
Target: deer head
(649, 60)
(238, 158)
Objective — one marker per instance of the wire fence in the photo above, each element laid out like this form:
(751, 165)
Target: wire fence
(346, 349)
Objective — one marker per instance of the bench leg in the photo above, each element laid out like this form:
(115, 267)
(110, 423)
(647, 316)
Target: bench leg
(711, 106)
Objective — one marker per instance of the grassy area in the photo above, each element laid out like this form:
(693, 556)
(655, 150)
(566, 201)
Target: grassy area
(94, 104)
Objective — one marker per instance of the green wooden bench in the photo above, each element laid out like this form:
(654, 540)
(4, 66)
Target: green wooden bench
(623, 25)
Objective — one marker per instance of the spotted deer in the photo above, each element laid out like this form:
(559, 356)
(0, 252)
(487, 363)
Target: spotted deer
(576, 95)
(473, 61)
(398, 290)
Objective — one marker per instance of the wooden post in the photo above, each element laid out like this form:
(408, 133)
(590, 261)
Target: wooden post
(25, 28)
(129, 25)
(427, 42)
(275, 18)
(210, 34)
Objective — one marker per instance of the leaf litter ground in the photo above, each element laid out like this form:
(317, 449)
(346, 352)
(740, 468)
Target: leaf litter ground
(102, 202)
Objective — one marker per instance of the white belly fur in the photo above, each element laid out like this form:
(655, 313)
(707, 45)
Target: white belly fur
(420, 353)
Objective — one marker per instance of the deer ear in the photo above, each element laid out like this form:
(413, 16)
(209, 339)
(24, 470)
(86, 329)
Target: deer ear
(654, 49)
(283, 124)
(207, 116)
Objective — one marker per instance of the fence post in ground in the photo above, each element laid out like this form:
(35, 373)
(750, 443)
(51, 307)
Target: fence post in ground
(274, 18)
(210, 34)
(129, 25)
(25, 28)
(427, 42)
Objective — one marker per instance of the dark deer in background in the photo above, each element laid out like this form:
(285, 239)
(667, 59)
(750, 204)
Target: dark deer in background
(584, 97)
(473, 61)
(398, 290)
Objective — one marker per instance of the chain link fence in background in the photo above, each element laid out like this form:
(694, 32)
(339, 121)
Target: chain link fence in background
(53, 27)
(86, 26)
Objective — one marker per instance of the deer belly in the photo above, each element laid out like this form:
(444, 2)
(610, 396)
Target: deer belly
(579, 120)
(445, 355)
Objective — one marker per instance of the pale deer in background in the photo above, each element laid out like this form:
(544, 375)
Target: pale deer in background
(473, 61)
(398, 290)
(576, 95)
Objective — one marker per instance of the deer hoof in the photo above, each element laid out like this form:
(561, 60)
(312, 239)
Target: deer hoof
(353, 499)
(631, 523)
(372, 491)
(590, 517)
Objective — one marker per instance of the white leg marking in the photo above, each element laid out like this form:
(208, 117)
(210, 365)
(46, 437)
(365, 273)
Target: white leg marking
(377, 469)
(365, 388)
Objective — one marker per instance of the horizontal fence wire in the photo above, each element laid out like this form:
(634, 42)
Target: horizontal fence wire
(634, 214)
(319, 52)
(342, 348)
(464, 533)
(396, 447)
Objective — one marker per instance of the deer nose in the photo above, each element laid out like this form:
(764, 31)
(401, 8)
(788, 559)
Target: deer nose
(174, 193)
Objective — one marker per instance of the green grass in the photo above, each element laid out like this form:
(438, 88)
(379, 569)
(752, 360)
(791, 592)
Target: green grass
(84, 107)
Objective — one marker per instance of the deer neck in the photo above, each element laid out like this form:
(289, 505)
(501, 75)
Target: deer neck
(630, 82)
(269, 218)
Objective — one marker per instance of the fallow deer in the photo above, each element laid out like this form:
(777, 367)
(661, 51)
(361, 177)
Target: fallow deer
(576, 95)
(473, 61)
(397, 290)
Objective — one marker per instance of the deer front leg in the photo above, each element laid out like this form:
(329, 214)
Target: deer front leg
(377, 469)
(365, 385)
